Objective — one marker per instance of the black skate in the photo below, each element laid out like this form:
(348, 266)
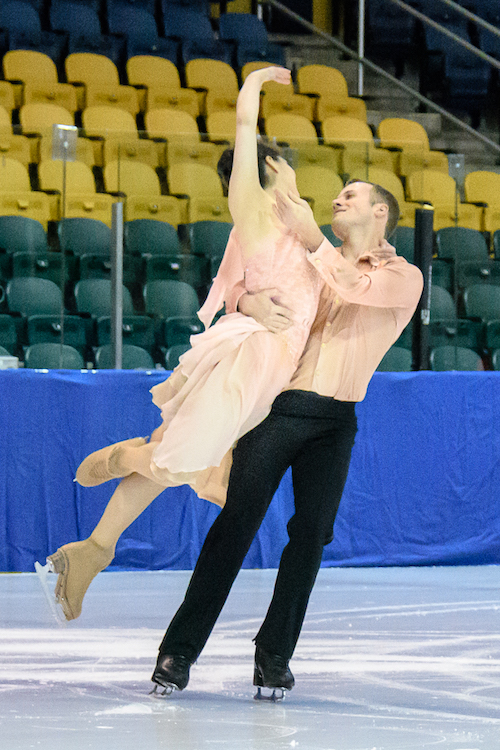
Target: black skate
(271, 671)
(171, 673)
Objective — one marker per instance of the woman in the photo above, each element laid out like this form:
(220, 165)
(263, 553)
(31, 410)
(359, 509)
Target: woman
(225, 384)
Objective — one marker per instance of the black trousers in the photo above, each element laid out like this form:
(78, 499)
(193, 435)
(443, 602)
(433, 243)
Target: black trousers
(314, 435)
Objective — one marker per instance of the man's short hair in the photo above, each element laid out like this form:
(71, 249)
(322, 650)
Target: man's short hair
(380, 195)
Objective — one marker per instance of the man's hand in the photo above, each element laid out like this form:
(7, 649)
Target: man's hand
(260, 307)
(296, 214)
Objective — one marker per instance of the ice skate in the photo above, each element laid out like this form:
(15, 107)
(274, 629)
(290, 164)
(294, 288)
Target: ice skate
(76, 564)
(171, 673)
(98, 467)
(271, 671)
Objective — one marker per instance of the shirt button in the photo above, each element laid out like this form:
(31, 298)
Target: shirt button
(318, 262)
(328, 324)
(316, 373)
(323, 345)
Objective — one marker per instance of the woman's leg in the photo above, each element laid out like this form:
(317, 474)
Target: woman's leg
(78, 563)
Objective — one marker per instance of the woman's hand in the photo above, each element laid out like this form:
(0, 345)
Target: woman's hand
(296, 214)
(273, 73)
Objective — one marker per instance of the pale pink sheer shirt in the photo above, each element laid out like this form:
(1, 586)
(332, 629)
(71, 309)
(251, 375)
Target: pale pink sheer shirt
(363, 309)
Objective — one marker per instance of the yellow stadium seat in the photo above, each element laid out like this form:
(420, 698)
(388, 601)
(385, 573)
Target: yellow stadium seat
(181, 132)
(82, 200)
(119, 138)
(38, 119)
(322, 186)
(412, 141)
(16, 196)
(38, 74)
(440, 190)
(300, 134)
(329, 88)
(14, 146)
(221, 125)
(216, 83)
(202, 186)
(10, 95)
(161, 85)
(141, 187)
(99, 82)
(484, 187)
(355, 141)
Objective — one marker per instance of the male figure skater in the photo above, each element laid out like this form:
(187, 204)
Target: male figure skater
(369, 296)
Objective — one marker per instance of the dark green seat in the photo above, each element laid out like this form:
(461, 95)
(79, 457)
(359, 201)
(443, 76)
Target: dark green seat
(173, 353)
(492, 335)
(403, 240)
(138, 330)
(458, 332)
(328, 232)
(21, 234)
(167, 299)
(495, 359)
(81, 236)
(48, 357)
(209, 237)
(442, 304)
(8, 333)
(93, 296)
(442, 273)
(4, 352)
(32, 296)
(133, 358)
(482, 301)
(397, 359)
(471, 272)
(193, 269)
(47, 265)
(43, 329)
(179, 329)
(461, 243)
(152, 237)
(455, 358)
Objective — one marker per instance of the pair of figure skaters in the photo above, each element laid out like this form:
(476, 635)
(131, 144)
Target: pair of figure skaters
(272, 384)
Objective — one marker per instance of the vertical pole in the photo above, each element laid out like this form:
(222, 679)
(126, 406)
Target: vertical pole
(63, 251)
(361, 44)
(116, 284)
(424, 240)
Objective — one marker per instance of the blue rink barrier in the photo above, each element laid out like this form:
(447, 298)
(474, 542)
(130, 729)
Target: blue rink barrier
(423, 487)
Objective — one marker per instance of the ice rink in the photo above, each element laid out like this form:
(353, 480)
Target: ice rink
(389, 659)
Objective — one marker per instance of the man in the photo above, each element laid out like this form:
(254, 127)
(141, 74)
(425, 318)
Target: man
(369, 297)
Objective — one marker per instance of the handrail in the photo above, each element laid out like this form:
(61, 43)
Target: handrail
(381, 72)
(472, 16)
(458, 39)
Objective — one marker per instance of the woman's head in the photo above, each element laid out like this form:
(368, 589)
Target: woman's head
(264, 151)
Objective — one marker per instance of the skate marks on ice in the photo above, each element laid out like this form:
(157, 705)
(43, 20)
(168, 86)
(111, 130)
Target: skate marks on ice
(396, 659)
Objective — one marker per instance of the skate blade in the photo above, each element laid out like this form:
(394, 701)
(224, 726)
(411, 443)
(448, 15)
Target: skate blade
(163, 691)
(277, 695)
(56, 610)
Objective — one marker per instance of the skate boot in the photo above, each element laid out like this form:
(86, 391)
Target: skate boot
(76, 564)
(98, 468)
(271, 671)
(171, 673)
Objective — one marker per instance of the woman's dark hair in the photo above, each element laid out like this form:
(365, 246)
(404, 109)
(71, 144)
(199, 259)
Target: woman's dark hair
(225, 164)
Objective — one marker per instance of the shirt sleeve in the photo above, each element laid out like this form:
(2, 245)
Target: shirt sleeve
(394, 283)
(233, 296)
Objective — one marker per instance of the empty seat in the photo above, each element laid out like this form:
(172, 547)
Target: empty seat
(193, 27)
(80, 21)
(173, 353)
(79, 235)
(482, 301)
(53, 357)
(22, 22)
(411, 139)
(166, 299)
(39, 118)
(16, 196)
(328, 86)
(93, 296)
(137, 330)
(133, 358)
(82, 200)
(440, 190)
(278, 98)
(455, 358)
(152, 237)
(250, 35)
(32, 296)
(484, 187)
(442, 305)
(300, 134)
(183, 141)
(396, 359)
(38, 73)
(119, 136)
(100, 83)
(138, 26)
(461, 244)
(216, 81)
(161, 85)
(141, 186)
(209, 238)
(355, 141)
(204, 190)
(47, 329)
(221, 126)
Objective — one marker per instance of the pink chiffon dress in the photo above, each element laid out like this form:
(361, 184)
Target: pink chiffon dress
(225, 384)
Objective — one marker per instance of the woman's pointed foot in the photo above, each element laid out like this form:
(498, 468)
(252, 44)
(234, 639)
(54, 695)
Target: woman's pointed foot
(102, 465)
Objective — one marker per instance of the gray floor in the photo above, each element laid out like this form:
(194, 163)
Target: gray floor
(389, 659)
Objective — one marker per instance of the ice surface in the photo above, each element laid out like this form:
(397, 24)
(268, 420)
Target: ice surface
(389, 659)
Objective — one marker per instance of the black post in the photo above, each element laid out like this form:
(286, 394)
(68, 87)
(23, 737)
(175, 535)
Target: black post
(424, 241)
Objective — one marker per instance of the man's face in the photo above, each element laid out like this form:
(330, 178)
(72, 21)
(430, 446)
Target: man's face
(353, 207)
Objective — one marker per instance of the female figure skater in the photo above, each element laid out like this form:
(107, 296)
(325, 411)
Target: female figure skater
(225, 384)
